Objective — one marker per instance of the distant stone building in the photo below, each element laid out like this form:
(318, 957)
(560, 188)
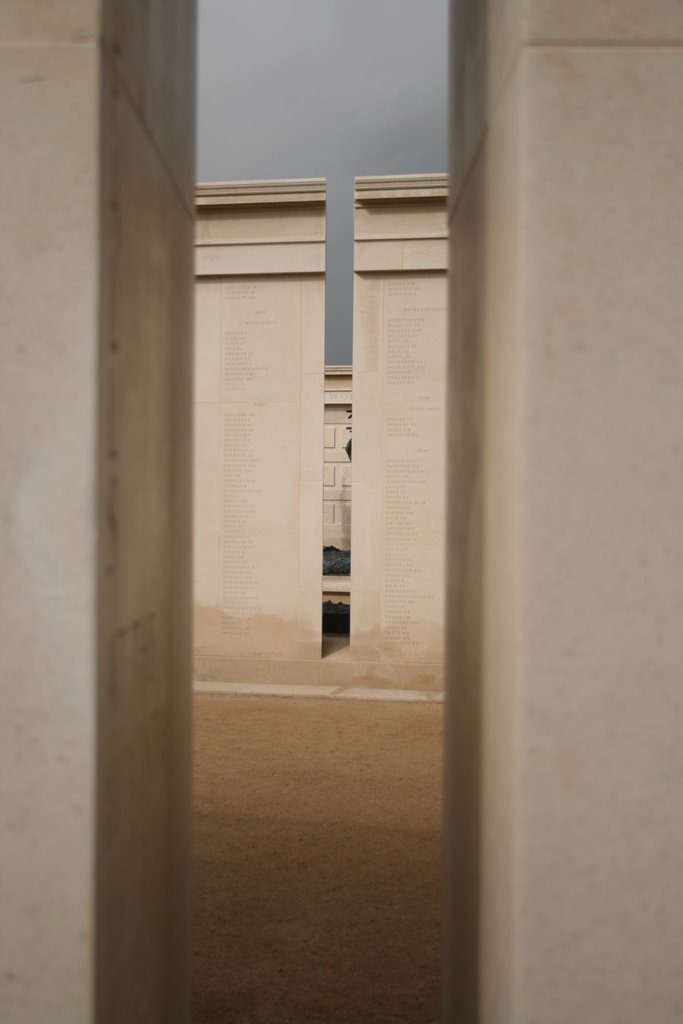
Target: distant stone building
(337, 478)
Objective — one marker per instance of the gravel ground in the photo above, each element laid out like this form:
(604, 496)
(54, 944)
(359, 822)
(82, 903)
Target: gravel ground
(317, 849)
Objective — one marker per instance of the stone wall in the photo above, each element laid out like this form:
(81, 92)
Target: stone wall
(564, 725)
(97, 119)
(260, 442)
(337, 469)
(399, 353)
(260, 261)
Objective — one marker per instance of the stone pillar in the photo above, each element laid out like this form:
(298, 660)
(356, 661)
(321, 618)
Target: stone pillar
(564, 708)
(97, 121)
(260, 265)
(399, 369)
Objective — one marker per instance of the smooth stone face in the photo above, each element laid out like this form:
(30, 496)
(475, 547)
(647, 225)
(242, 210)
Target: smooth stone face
(142, 42)
(608, 22)
(399, 422)
(487, 39)
(95, 465)
(565, 567)
(33, 22)
(48, 548)
(337, 468)
(259, 431)
(145, 584)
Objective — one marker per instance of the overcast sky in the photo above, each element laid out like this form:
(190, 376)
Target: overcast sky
(323, 88)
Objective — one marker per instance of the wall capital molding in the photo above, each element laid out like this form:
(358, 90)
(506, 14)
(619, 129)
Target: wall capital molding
(255, 193)
(397, 187)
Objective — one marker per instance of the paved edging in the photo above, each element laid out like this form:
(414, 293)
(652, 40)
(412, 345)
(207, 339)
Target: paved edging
(335, 692)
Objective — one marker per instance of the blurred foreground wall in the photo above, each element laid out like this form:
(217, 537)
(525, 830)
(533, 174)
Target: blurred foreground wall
(565, 707)
(96, 247)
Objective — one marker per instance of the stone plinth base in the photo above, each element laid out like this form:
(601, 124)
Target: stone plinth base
(335, 669)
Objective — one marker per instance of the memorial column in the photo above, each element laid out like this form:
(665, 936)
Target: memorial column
(260, 356)
(97, 122)
(564, 654)
(399, 368)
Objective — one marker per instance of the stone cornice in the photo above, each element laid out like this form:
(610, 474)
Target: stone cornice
(251, 193)
(394, 187)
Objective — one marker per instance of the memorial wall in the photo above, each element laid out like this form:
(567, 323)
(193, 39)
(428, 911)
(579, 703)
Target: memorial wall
(272, 477)
(564, 834)
(260, 310)
(399, 369)
(96, 293)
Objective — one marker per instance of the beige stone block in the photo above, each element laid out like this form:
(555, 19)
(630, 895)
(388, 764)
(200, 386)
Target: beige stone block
(337, 455)
(208, 504)
(563, 258)
(256, 314)
(310, 533)
(418, 254)
(258, 615)
(376, 676)
(425, 255)
(399, 429)
(48, 550)
(335, 675)
(483, 558)
(136, 474)
(337, 587)
(209, 462)
(340, 495)
(365, 619)
(264, 689)
(257, 671)
(302, 193)
(141, 41)
(94, 489)
(313, 323)
(377, 255)
(32, 22)
(368, 531)
(502, 553)
(408, 191)
(145, 545)
(311, 427)
(385, 694)
(367, 325)
(367, 426)
(328, 478)
(408, 505)
(602, 601)
(268, 481)
(401, 221)
(611, 22)
(209, 336)
(485, 41)
(309, 625)
(414, 323)
(339, 415)
(230, 226)
(285, 258)
(261, 484)
(412, 613)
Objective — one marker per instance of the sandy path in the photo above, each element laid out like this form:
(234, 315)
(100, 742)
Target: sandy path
(316, 861)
